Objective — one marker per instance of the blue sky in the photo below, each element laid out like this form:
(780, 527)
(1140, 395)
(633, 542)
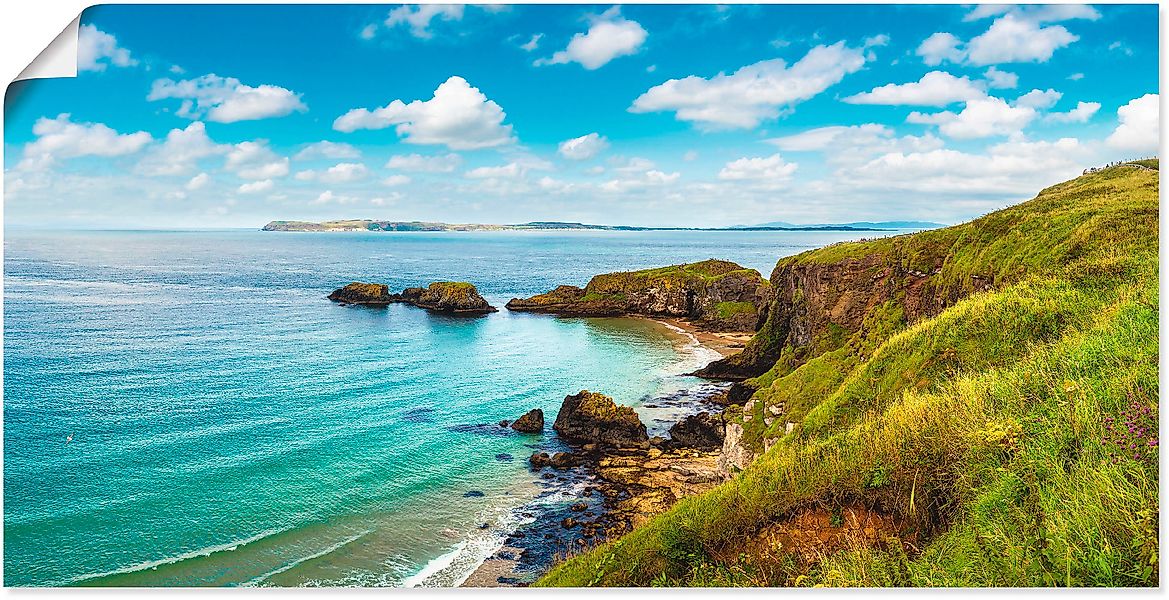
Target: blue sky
(187, 116)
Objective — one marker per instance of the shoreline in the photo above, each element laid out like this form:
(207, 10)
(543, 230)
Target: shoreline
(621, 489)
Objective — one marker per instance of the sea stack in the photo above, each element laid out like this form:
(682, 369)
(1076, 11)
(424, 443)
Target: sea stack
(448, 296)
(531, 422)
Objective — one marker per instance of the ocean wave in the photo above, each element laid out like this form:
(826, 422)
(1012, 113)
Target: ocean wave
(256, 581)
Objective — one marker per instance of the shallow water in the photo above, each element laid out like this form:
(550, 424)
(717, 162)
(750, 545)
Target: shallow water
(232, 427)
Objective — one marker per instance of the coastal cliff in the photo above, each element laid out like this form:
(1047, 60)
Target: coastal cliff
(713, 294)
(937, 409)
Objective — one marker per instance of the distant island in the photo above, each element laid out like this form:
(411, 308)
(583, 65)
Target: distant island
(371, 225)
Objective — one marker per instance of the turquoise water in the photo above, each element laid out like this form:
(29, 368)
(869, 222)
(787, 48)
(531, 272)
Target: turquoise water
(230, 426)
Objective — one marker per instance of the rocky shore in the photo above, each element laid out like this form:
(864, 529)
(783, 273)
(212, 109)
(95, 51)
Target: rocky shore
(440, 296)
(609, 475)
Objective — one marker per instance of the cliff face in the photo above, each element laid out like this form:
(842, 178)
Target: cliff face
(715, 294)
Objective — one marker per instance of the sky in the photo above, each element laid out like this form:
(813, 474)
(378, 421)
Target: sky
(652, 115)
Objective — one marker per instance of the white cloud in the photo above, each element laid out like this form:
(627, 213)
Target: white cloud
(854, 144)
(1001, 79)
(396, 180)
(328, 197)
(226, 99)
(62, 138)
(327, 149)
(1014, 40)
(1039, 99)
(941, 46)
(97, 49)
(419, 16)
(1017, 167)
(256, 187)
(609, 36)
(368, 32)
(753, 93)
(648, 179)
(1019, 34)
(180, 152)
(458, 115)
(254, 160)
(533, 43)
(936, 88)
(1139, 129)
(425, 164)
(555, 186)
(339, 173)
(1076, 76)
(983, 117)
(198, 182)
(583, 147)
(509, 170)
(770, 170)
(1080, 114)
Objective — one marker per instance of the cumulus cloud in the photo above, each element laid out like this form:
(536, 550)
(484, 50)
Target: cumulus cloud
(1139, 129)
(980, 118)
(425, 164)
(396, 180)
(458, 116)
(753, 93)
(226, 99)
(1080, 114)
(583, 147)
(1019, 35)
(533, 43)
(61, 138)
(941, 46)
(1039, 99)
(609, 36)
(198, 182)
(509, 170)
(936, 88)
(328, 197)
(97, 50)
(419, 16)
(339, 173)
(767, 171)
(256, 187)
(1016, 167)
(854, 144)
(634, 182)
(327, 149)
(1001, 79)
(255, 160)
(180, 152)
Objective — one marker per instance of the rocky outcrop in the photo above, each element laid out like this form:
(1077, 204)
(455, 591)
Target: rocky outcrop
(531, 422)
(557, 460)
(704, 431)
(448, 296)
(363, 293)
(714, 294)
(440, 296)
(591, 418)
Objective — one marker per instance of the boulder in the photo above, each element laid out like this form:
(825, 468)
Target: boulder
(531, 422)
(703, 430)
(591, 418)
(363, 293)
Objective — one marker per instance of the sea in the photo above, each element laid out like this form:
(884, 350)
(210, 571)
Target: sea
(186, 408)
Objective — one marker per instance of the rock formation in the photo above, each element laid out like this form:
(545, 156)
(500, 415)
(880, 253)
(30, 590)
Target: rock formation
(715, 294)
(531, 422)
(590, 418)
(363, 293)
(440, 296)
(703, 430)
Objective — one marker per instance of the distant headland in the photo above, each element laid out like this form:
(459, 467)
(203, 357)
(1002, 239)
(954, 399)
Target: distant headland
(371, 225)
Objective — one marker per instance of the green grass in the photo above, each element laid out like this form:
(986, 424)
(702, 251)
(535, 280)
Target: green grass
(726, 310)
(982, 428)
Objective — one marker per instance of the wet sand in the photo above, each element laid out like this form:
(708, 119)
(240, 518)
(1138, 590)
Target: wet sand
(725, 343)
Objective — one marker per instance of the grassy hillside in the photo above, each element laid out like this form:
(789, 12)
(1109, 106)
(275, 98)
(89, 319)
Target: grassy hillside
(1009, 436)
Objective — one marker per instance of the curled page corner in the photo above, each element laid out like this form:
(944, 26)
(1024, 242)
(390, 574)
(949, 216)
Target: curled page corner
(58, 59)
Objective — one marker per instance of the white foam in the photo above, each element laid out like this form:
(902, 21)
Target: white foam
(257, 580)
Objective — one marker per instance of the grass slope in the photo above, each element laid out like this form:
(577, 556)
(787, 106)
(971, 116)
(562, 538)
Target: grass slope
(986, 428)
